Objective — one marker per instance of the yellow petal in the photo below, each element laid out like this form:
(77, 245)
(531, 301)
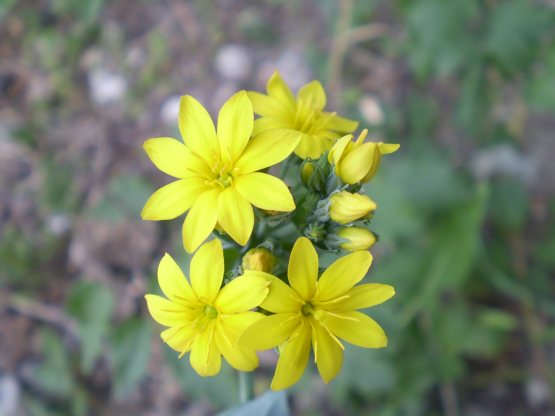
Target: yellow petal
(197, 129)
(266, 149)
(357, 163)
(180, 338)
(235, 215)
(200, 220)
(236, 323)
(239, 357)
(267, 106)
(206, 358)
(241, 294)
(281, 298)
(357, 328)
(340, 124)
(387, 148)
(328, 353)
(167, 313)
(265, 191)
(207, 270)
(312, 146)
(168, 155)
(343, 274)
(313, 95)
(356, 238)
(292, 359)
(278, 89)
(380, 149)
(302, 271)
(270, 331)
(336, 152)
(172, 200)
(173, 282)
(347, 207)
(270, 123)
(235, 123)
(363, 296)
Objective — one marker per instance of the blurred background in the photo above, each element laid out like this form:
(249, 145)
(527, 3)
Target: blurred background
(465, 207)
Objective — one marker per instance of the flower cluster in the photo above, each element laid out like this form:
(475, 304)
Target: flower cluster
(272, 296)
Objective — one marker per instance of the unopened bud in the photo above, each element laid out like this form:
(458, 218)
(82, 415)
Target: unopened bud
(357, 238)
(346, 207)
(259, 259)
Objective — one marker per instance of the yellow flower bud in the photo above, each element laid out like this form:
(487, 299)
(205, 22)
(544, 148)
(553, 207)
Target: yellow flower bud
(358, 239)
(346, 207)
(358, 161)
(259, 259)
(307, 169)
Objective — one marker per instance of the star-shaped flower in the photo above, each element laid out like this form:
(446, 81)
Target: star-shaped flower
(218, 171)
(318, 312)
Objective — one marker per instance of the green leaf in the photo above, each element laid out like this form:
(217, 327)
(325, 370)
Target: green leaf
(124, 199)
(515, 33)
(509, 204)
(130, 354)
(220, 391)
(540, 90)
(271, 403)
(439, 39)
(54, 375)
(365, 372)
(91, 305)
(453, 252)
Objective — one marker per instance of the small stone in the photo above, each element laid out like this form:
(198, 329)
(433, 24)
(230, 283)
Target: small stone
(106, 87)
(233, 62)
(371, 110)
(169, 111)
(507, 161)
(10, 393)
(58, 224)
(537, 392)
(293, 68)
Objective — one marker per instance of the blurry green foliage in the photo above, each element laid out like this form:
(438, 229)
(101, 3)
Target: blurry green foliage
(124, 198)
(91, 305)
(269, 404)
(129, 353)
(200, 388)
(516, 28)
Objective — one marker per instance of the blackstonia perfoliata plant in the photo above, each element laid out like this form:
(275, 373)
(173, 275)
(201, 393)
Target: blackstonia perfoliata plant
(271, 191)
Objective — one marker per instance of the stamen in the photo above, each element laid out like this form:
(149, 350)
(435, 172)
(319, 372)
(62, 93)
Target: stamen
(347, 318)
(339, 299)
(332, 335)
(362, 136)
(297, 315)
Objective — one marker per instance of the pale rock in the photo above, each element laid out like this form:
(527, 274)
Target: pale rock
(106, 87)
(169, 110)
(233, 62)
(10, 396)
(371, 110)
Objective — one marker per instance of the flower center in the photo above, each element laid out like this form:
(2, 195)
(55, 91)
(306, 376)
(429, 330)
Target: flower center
(210, 311)
(225, 179)
(307, 309)
(223, 175)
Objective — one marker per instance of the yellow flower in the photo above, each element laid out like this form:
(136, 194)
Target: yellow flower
(280, 110)
(346, 207)
(202, 318)
(260, 259)
(217, 172)
(358, 161)
(358, 238)
(318, 312)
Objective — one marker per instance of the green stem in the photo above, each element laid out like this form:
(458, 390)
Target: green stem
(246, 387)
